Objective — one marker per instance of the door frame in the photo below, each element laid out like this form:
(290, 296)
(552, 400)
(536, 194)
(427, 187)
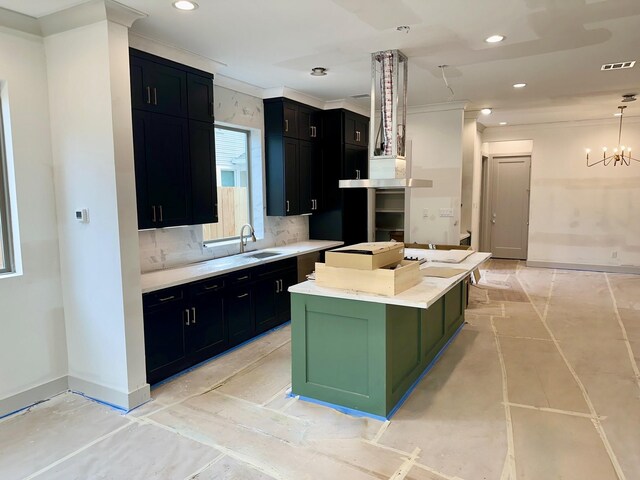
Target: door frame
(487, 195)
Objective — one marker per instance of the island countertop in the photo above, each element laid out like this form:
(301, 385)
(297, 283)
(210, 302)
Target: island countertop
(171, 277)
(423, 295)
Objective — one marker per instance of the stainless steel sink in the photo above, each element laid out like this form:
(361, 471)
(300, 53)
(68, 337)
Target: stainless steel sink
(261, 255)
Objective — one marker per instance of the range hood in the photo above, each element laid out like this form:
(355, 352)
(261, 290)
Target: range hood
(388, 152)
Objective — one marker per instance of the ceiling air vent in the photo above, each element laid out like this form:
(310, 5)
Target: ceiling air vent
(618, 66)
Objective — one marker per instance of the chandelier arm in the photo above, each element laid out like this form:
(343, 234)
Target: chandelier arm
(599, 161)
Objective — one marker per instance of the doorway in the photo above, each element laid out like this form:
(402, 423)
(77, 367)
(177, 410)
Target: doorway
(505, 199)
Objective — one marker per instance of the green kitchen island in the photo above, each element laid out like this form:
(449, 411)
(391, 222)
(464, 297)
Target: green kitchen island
(364, 352)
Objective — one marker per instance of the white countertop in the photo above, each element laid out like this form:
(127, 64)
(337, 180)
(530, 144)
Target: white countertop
(423, 295)
(464, 236)
(160, 279)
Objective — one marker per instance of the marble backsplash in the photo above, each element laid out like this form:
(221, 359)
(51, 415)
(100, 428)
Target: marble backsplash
(172, 247)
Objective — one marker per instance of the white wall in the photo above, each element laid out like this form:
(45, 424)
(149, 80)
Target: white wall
(33, 349)
(93, 157)
(579, 215)
(437, 139)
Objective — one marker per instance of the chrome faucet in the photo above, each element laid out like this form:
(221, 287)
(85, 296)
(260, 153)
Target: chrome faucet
(243, 240)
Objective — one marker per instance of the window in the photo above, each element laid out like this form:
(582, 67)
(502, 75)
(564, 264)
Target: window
(234, 200)
(6, 260)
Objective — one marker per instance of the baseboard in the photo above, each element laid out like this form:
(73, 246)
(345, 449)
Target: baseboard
(591, 268)
(37, 394)
(121, 400)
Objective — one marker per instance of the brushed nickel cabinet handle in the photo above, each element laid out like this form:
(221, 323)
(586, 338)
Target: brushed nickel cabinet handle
(167, 298)
(193, 310)
(148, 94)
(187, 312)
(287, 206)
(243, 295)
(154, 213)
(277, 286)
(281, 286)
(161, 216)
(286, 125)
(212, 287)
(155, 96)
(243, 278)
(357, 177)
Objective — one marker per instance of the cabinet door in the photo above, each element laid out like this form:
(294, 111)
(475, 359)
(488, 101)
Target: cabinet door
(317, 179)
(356, 129)
(362, 132)
(164, 341)
(167, 170)
(206, 335)
(291, 177)
(283, 297)
(290, 127)
(200, 97)
(309, 124)
(204, 192)
(141, 129)
(305, 172)
(265, 303)
(158, 88)
(238, 315)
(355, 163)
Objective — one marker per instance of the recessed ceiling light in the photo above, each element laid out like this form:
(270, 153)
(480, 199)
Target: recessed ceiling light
(494, 39)
(185, 5)
(485, 111)
(318, 71)
(519, 85)
(503, 123)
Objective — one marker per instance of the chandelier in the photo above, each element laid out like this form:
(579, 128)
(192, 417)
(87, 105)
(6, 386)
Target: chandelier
(621, 155)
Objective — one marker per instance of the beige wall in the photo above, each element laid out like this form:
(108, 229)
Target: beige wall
(579, 215)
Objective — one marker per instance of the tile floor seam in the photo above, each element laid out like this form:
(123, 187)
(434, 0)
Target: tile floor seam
(406, 466)
(596, 422)
(632, 359)
(510, 462)
(524, 338)
(206, 466)
(556, 410)
(77, 451)
(435, 472)
(217, 384)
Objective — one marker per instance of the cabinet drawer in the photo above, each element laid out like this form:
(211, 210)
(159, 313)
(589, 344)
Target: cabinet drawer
(214, 284)
(275, 267)
(163, 297)
(241, 277)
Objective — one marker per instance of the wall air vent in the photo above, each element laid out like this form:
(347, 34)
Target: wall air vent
(618, 65)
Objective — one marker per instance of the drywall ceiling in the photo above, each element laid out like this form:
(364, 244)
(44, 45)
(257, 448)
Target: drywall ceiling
(555, 46)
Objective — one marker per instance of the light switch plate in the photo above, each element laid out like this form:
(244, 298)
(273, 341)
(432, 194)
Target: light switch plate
(446, 212)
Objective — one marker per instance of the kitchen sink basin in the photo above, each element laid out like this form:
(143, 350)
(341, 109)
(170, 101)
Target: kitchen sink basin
(261, 255)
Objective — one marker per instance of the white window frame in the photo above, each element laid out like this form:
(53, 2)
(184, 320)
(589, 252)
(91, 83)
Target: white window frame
(6, 235)
(248, 133)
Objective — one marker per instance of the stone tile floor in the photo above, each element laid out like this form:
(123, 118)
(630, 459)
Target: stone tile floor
(542, 383)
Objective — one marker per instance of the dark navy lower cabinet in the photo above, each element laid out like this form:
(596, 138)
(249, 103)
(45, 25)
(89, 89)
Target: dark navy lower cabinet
(188, 324)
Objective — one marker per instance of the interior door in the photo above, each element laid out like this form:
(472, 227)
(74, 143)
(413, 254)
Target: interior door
(509, 213)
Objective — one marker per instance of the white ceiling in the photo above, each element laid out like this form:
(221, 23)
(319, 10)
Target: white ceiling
(555, 46)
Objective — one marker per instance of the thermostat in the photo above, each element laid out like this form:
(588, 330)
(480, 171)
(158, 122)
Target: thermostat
(82, 215)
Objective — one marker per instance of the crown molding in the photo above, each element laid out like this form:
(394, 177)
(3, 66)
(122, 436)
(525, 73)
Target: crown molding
(88, 13)
(19, 22)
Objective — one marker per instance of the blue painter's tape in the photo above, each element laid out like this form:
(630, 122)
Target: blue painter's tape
(226, 352)
(339, 408)
(110, 405)
(358, 413)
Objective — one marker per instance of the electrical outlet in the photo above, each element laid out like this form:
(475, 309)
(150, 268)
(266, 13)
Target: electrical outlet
(425, 213)
(446, 212)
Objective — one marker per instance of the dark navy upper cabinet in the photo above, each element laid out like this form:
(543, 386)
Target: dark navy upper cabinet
(293, 134)
(174, 142)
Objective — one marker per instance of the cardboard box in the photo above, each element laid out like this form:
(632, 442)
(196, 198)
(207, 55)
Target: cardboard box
(366, 256)
(384, 281)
